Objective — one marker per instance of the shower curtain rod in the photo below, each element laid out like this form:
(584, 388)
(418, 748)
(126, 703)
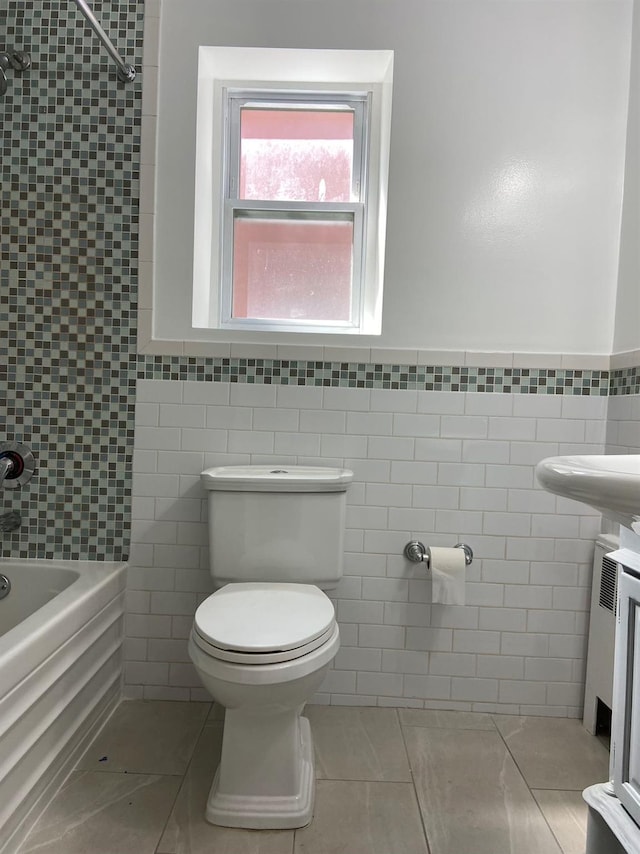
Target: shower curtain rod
(126, 72)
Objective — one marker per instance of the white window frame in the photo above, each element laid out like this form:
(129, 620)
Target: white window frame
(296, 71)
(354, 211)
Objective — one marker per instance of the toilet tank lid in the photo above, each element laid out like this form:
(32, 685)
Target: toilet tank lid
(276, 478)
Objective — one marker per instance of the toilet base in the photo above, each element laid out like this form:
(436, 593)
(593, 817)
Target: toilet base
(268, 812)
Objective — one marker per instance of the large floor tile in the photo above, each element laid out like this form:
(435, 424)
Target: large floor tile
(188, 832)
(105, 814)
(355, 743)
(471, 792)
(216, 713)
(472, 796)
(566, 813)
(554, 753)
(147, 737)
(446, 720)
(363, 818)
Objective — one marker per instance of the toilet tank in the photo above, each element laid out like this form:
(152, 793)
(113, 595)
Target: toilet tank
(276, 523)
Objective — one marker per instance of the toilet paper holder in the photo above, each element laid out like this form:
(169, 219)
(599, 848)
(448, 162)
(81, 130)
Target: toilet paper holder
(417, 552)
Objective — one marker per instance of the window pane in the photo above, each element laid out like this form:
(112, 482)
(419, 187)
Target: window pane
(296, 155)
(293, 270)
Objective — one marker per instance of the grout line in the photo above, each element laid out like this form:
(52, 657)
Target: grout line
(365, 780)
(413, 781)
(566, 791)
(560, 846)
(449, 728)
(184, 775)
(515, 761)
(529, 789)
(128, 772)
(557, 789)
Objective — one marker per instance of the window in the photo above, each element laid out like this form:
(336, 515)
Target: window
(290, 191)
(294, 204)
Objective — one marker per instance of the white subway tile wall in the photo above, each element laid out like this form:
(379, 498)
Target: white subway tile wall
(441, 467)
(623, 424)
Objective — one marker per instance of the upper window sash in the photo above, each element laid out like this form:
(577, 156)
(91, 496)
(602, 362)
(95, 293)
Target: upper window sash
(356, 102)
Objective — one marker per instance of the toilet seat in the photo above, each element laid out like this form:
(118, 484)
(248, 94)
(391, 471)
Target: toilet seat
(258, 623)
(260, 658)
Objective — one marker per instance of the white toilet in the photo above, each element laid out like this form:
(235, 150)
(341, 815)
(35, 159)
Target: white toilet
(263, 642)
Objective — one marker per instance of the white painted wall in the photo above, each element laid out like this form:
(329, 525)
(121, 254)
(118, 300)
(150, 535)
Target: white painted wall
(627, 326)
(507, 161)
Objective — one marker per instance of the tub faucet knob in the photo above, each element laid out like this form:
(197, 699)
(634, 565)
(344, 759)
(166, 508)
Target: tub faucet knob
(17, 60)
(17, 464)
(7, 466)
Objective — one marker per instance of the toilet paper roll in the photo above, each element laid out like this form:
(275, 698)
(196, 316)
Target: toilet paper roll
(448, 575)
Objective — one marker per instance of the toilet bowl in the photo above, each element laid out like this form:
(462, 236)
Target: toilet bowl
(262, 650)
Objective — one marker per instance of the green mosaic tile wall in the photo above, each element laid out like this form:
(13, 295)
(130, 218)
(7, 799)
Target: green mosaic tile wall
(68, 266)
(68, 279)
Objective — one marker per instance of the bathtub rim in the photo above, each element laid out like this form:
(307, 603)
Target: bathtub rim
(57, 576)
(30, 642)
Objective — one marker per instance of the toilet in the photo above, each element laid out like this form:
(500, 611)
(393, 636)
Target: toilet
(264, 640)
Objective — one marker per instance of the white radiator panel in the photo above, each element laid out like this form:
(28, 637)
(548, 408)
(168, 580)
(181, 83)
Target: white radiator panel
(602, 625)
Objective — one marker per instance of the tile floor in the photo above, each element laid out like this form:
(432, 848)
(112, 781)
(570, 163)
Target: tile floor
(390, 781)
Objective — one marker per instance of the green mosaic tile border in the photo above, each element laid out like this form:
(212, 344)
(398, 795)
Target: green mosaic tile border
(375, 375)
(624, 381)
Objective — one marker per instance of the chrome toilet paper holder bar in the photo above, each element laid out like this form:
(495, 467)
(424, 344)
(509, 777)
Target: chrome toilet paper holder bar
(417, 552)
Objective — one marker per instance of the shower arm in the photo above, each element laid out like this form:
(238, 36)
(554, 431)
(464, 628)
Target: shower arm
(126, 72)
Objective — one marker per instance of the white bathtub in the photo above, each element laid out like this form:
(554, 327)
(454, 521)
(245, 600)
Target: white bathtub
(61, 631)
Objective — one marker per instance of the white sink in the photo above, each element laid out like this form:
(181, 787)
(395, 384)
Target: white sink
(610, 483)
